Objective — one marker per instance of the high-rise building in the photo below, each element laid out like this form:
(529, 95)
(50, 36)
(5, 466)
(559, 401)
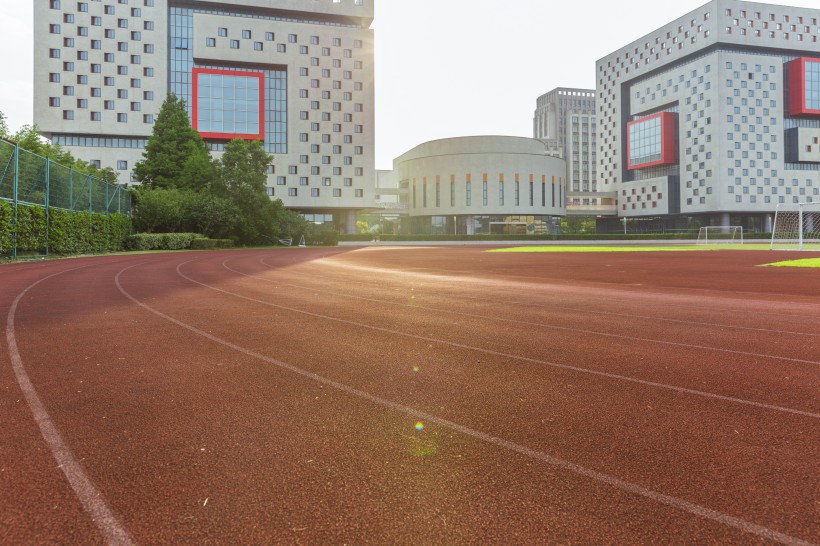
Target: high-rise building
(715, 115)
(565, 120)
(296, 74)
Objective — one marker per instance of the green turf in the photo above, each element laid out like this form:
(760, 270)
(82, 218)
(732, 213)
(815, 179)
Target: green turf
(633, 248)
(806, 262)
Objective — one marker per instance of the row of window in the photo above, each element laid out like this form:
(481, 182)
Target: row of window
(99, 142)
(772, 17)
(485, 194)
(96, 68)
(122, 117)
(83, 6)
(315, 192)
(96, 21)
(781, 199)
(54, 102)
(222, 32)
(306, 181)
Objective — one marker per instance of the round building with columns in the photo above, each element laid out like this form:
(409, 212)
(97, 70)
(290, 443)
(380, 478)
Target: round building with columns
(482, 185)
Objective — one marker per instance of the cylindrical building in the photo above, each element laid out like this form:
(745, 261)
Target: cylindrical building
(482, 184)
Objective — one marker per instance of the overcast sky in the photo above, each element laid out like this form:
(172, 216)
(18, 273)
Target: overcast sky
(444, 68)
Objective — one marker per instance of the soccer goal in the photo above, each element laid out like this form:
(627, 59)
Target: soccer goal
(796, 227)
(720, 234)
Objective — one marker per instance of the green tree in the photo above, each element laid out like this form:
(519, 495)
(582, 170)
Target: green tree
(175, 155)
(4, 126)
(578, 224)
(243, 174)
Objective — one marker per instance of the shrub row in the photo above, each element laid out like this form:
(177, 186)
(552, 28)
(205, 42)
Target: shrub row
(161, 241)
(211, 244)
(327, 237)
(61, 231)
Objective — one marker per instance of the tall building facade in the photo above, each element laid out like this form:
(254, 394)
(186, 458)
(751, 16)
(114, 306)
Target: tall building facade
(565, 120)
(715, 115)
(296, 74)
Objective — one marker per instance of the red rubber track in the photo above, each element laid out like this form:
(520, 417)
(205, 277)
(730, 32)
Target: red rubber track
(256, 397)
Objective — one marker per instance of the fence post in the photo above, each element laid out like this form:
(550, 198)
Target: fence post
(46, 201)
(70, 188)
(16, 169)
(90, 195)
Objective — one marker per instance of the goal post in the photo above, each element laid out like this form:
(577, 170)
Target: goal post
(796, 227)
(720, 234)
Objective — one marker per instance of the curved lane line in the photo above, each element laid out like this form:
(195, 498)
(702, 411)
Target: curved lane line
(90, 497)
(560, 307)
(674, 502)
(567, 329)
(514, 357)
(811, 308)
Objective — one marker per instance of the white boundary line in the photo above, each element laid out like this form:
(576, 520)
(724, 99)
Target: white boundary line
(89, 496)
(513, 356)
(674, 502)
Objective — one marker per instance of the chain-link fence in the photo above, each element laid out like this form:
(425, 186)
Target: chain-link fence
(29, 179)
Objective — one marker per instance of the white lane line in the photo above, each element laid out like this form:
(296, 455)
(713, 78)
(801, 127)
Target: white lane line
(608, 375)
(566, 328)
(603, 287)
(674, 502)
(90, 497)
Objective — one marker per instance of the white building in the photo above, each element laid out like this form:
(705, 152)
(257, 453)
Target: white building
(481, 184)
(714, 115)
(297, 74)
(566, 120)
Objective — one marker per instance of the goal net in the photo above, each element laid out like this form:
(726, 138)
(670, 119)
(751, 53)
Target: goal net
(796, 227)
(720, 234)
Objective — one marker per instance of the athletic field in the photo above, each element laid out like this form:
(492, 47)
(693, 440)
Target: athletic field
(410, 395)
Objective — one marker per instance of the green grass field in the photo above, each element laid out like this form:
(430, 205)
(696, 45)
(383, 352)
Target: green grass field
(807, 262)
(633, 248)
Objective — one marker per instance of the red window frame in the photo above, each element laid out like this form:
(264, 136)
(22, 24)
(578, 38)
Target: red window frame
(668, 148)
(228, 136)
(797, 87)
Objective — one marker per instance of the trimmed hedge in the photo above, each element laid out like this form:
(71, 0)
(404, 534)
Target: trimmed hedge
(5, 227)
(62, 231)
(211, 244)
(327, 237)
(161, 241)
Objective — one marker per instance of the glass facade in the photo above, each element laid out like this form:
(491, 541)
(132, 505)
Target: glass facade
(645, 144)
(228, 104)
(652, 141)
(812, 84)
(181, 65)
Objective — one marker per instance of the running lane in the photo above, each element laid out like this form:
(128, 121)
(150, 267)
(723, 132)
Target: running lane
(426, 396)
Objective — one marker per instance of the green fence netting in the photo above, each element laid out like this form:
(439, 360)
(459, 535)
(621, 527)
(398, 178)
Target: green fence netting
(29, 179)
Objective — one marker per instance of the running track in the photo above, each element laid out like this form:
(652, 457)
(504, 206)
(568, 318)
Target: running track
(260, 397)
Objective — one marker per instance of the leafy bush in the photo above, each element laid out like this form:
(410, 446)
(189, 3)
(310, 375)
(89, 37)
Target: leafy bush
(211, 244)
(161, 241)
(62, 231)
(5, 227)
(325, 237)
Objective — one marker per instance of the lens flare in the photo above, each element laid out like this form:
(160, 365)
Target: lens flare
(419, 426)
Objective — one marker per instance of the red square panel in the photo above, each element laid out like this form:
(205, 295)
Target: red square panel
(222, 102)
(662, 139)
(798, 88)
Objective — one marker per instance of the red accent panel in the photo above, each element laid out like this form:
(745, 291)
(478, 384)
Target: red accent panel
(797, 88)
(228, 136)
(668, 148)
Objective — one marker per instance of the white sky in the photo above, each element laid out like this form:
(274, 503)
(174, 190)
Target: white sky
(444, 68)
